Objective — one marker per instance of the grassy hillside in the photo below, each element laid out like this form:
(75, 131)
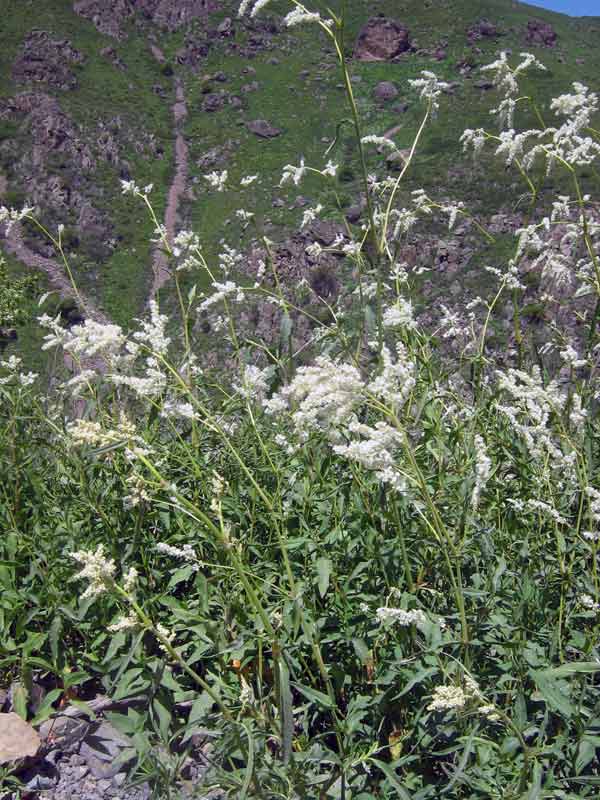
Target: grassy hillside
(298, 92)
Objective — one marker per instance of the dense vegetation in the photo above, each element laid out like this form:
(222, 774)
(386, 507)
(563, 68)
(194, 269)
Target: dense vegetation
(359, 561)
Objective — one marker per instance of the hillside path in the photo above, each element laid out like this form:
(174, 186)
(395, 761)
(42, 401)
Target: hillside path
(160, 264)
(55, 272)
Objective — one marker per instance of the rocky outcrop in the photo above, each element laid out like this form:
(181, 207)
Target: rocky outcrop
(110, 16)
(540, 33)
(56, 171)
(43, 59)
(483, 29)
(50, 128)
(381, 39)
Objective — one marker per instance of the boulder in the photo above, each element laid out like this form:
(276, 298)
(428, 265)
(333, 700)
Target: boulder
(214, 101)
(17, 739)
(483, 29)
(263, 129)
(381, 39)
(541, 33)
(385, 91)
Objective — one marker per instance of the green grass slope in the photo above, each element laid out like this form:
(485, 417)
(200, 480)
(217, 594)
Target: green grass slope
(307, 106)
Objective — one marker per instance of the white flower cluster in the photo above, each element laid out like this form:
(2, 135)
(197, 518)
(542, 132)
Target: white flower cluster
(399, 616)
(310, 215)
(150, 385)
(138, 494)
(176, 409)
(90, 432)
(292, 174)
(218, 180)
(248, 180)
(254, 383)
(153, 331)
(379, 141)
(455, 698)
(430, 88)
(12, 365)
(124, 623)
(400, 315)
(87, 340)
(447, 698)
(396, 380)
(300, 15)
(594, 510)
(323, 396)
(505, 80)
(530, 415)
(374, 449)
(9, 216)
(97, 569)
(229, 290)
(483, 469)
(185, 553)
(588, 602)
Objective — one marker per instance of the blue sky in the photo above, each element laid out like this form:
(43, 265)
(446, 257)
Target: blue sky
(577, 8)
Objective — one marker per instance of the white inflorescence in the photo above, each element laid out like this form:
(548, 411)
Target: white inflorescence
(292, 174)
(217, 180)
(83, 341)
(299, 16)
(483, 469)
(124, 623)
(400, 315)
(447, 697)
(97, 569)
(430, 88)
(254, 383)
(323, 396)
(400, 616)
(396, 379)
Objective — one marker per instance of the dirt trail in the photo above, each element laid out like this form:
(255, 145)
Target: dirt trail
(160, 265)
(13, 241)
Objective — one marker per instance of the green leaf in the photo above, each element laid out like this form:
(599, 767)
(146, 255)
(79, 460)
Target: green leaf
(314, 695)
(324, 567)
(418, 677)
(20, 697)
(392, 778)
(163, 717)
(46, 709)
(554, 693)
(459, 771)
(570, 669)
(586, 752)
(56, 627)
(249, 766)
(180, 575)
(286, 711)
(83, 706)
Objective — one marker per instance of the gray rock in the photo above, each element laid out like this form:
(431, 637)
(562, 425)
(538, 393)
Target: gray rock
(326, 232)
(381, 39)
(263, 129)
(103, 750)
(353, 214)
(385, 91)
(63, 732)
(225, 28)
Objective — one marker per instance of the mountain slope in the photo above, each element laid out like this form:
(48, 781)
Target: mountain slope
(88, 98)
